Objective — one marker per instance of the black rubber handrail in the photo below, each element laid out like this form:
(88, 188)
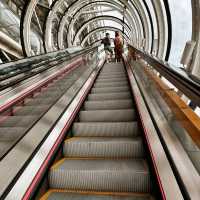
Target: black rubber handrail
(182, 81)
(39, 58)
(27, 68)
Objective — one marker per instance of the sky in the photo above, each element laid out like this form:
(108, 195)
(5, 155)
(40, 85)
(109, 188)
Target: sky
(181, 27)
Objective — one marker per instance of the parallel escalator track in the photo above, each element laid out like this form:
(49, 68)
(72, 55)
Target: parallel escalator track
(15, 123)
(11, 76)
(105, 157)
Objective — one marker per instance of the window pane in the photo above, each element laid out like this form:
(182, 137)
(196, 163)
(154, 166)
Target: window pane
(181, 28)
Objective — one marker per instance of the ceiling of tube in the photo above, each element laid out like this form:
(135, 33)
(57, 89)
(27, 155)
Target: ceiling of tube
(65, 23)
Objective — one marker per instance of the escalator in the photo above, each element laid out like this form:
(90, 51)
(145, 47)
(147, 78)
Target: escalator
(104, 153)
(17, 73)
(15, 123)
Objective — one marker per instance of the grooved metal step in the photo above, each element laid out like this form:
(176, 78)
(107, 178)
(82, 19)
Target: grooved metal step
(30, 110)
(112, 71)
(111, 84)
(103, 148)
(110, 89)
(4, 146)
(110, 76)
(65, 81)
(18, 121)
(49, 94)
(9, 136)
(11, 133)
(65, 84)
(39, 101)
(54, 195)
(116, 129)
(108, 80)
(109, 96)
(111, 105)
(101, 175)
(56, 88)
(100, 80)
(108, 115)
(47, 97)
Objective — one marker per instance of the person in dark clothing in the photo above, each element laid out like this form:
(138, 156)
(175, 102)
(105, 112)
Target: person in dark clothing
(107, 46)
(118, 47)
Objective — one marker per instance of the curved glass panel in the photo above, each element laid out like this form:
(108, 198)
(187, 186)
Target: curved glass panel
(9, 23)
(152, 11)
(181, 13)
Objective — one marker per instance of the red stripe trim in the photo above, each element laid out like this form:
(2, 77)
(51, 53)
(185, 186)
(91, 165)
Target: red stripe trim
(24, 95)
(66, 71)
(43, 168)
(130, 73)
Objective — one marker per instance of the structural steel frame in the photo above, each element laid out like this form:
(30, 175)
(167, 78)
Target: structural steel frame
(136, 13)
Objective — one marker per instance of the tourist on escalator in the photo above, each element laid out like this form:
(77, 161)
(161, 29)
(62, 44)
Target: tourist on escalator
(118, 47)
(107, 47)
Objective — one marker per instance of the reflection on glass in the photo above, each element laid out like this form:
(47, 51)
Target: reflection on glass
(181, 13)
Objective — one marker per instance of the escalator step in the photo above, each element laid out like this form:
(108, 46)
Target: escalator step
(64, 195)
(49, 94)
(11, 133)
(5, 146)
(112, 71)
(109, 65)
(112, 67)
(109, 80)
(103, 148)
(111, 84)
(65, 84)
(110, 89)
(110, 76)
(116, 129)
(108, 115)
(39, 101)
(109, 96)
(30, 110)
(46, 97)
(8, 137)
(18, 121)
(101, 175)
(103, 105)
(56, 88)
(62, 84)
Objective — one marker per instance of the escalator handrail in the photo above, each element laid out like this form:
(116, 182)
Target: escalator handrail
(189, 87)
(28, 70)
(27, 189)
(10, 104)
(13, 65)
(157, 153)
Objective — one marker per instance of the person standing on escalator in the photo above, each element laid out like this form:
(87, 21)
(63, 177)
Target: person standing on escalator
(118, 47)
(107, 47)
